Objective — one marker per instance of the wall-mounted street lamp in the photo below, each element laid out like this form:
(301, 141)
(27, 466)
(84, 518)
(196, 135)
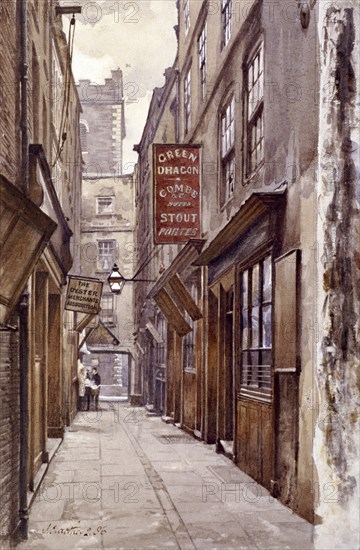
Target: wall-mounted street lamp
(117, 281)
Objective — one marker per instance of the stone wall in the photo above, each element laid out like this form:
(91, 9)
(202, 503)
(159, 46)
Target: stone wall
(337, 432)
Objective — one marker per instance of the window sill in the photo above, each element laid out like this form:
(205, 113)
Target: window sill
(189, 371)
(253, 175)
(256, 395)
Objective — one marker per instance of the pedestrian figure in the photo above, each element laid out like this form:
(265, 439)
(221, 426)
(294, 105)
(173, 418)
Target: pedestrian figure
(96, 380)
(87, 385)
(81, 385)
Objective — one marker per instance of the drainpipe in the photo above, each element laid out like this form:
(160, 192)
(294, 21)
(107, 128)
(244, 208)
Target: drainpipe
(24, 301)
(24, 65)
(24, 413)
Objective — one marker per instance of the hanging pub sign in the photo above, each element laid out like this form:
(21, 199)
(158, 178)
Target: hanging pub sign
(177, 193)
(83, 294)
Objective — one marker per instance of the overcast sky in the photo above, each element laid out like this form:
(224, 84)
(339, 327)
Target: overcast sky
(136, 36)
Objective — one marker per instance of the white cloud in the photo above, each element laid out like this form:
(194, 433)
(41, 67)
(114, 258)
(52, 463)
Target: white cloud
(85, 67)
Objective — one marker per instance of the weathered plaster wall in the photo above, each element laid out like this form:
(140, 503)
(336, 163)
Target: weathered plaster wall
(117, 226)
(337, 432)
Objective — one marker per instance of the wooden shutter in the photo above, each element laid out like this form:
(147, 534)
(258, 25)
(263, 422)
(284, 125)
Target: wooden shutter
(286, 312)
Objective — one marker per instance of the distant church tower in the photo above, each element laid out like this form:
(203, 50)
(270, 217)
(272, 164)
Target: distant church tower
(102, 126)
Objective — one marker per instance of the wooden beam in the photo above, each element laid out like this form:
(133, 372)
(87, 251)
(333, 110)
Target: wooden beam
(85, 321)
(172, 313)
(67, 10)
(154, 333)
(183, 296)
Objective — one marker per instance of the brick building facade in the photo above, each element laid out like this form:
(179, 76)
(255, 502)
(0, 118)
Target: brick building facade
(40, 178)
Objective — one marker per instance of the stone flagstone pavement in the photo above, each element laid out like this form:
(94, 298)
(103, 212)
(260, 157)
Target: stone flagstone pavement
(125, 480)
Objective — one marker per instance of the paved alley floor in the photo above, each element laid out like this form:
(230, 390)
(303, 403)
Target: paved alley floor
(123, 480)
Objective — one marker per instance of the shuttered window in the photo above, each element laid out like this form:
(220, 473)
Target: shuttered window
(256, 330)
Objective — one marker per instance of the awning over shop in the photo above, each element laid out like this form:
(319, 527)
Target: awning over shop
(43, 193)
(170, 292)
(24, 233)
(250, 211)
(172, 313)
(182, 264)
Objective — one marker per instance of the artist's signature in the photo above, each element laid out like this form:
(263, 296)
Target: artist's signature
(53, 529)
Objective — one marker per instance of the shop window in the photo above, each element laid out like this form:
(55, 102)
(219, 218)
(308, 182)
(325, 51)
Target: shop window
(104, 205)
(202, 61)
(227, 148)
(226, 13)
(187, 100)
(107, 254)
(187, 15)
(256, 330)
(255, 111)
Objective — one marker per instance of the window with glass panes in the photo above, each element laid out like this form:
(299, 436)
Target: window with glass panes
(228, 150)
(187, 15)
(161, 347)
(190, 339)
(256, 330)
(187, 100)
(255, 110)
(107, 304)
(106, 254)
(202, 61)
(226, 7)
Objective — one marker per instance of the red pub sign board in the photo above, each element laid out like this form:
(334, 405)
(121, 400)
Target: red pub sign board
(177, 193)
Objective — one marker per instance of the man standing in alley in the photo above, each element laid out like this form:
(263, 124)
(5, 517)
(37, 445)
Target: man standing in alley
(96, 380)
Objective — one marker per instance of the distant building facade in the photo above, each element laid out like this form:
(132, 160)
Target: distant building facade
(243, 321)
(107, 221)
(102, 126)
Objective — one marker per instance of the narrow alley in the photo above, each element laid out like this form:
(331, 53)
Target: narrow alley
(122, 479)
(179, 245)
